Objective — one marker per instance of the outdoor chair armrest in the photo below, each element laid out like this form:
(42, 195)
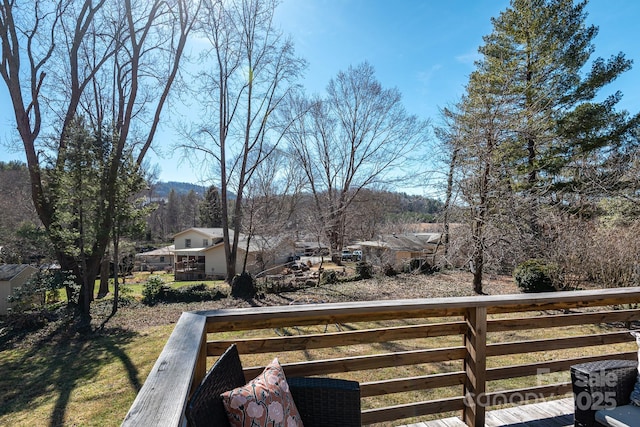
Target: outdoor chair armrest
(599, 385)
(205, 406)
(324, 402)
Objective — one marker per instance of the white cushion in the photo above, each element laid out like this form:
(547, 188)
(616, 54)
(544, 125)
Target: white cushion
(622, 416)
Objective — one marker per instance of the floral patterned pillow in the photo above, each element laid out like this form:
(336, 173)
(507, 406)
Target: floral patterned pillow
(264, 401)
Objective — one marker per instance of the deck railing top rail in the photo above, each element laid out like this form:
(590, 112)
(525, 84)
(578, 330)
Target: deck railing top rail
(182, 363)
(494, 304)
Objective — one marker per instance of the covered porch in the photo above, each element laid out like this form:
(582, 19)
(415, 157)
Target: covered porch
(418, 361)
(189, 264)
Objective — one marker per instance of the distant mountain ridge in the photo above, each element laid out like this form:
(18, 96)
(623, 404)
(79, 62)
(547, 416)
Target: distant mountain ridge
(162, 189)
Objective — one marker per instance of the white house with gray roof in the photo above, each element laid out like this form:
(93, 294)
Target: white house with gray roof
(199, 253)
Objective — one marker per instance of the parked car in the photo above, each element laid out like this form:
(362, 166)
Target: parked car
(347, 255)
(357, 255)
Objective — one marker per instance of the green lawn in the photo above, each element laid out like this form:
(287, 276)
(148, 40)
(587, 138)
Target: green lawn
(54, 381)
(136, 283)
(77, 383)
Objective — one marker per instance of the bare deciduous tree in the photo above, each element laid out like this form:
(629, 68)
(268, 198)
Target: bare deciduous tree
(477, 136)
(355, 138)
(111, 62)
(251, 69)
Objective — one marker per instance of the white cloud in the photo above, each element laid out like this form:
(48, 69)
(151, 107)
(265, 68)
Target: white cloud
(468, 58)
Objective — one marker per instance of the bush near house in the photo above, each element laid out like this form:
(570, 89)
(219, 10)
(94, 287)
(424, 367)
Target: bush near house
(534, 275)
(364, 270)
(156, 291)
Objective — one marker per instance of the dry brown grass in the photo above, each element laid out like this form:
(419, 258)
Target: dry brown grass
(404, 286)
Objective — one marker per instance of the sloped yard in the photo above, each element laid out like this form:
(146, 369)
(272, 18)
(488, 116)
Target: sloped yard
(51, 378)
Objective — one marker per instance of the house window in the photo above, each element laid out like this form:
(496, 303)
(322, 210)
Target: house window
(187, 243)
(205, 243)
(161, 259)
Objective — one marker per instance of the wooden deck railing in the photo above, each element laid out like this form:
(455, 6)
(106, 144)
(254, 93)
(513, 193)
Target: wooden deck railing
(447, 354)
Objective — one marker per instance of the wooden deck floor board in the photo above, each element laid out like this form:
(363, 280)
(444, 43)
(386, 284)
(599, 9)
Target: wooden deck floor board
(556, 413)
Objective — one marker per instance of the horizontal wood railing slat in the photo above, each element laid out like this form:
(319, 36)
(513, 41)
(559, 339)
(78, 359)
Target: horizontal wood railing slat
(363, 363)
(298, 315)
(516, 371)
(417, 409)
(560, 320)
(502, 349)
(401, 385)
(335, 339)
(262, 321)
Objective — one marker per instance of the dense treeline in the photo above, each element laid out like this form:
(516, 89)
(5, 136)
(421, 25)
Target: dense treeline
(183, 206)
(21, 235)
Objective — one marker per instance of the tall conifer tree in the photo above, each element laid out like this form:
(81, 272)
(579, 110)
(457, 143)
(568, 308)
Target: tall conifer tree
(535, 129)
(538, 52)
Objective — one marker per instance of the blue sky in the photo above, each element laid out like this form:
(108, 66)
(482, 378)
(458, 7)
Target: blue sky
(425, 48)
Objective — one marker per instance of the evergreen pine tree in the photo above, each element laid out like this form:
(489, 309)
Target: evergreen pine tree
(211, 209)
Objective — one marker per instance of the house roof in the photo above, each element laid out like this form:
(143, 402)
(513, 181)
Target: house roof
(208, 232)
(188, 251)
(167, 250)
(260, 243)
(403, 242)
(313, 245)
(256, 244)
(9, 271)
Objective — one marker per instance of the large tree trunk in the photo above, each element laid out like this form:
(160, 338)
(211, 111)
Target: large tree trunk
(477, 269)
(116, 279)
(104, 278)
(85, 280)
(447, 204)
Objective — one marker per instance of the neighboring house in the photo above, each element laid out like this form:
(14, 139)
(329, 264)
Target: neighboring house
(199, 254)
(12, 276)
(311, 249)
(156, 260)
(400, 248)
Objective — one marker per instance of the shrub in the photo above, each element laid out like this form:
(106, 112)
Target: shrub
(534, 275)
(154, 290)
(364, 270)
(193, 293)
(329, 277)
(243, 286)
(125, 295)
(389, 270)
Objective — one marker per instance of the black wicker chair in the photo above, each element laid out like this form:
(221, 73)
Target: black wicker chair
(601, 390)
(321, 401)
